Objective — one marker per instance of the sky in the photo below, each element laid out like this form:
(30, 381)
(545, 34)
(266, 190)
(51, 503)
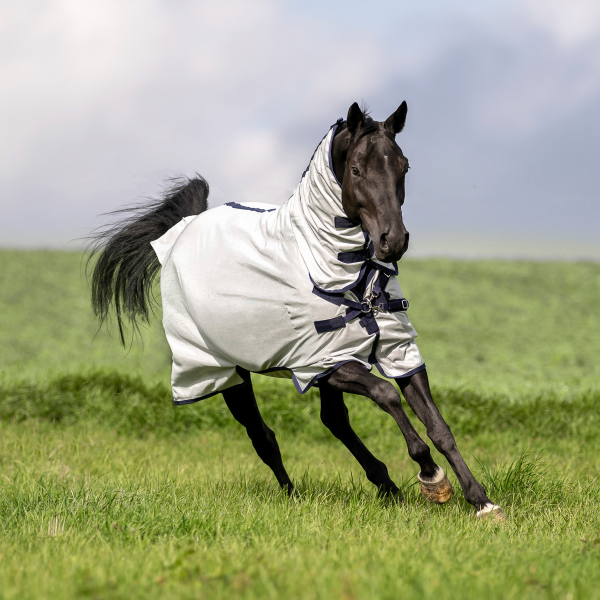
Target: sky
(103, 100)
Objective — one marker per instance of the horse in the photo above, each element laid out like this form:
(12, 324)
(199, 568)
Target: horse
(306, 290)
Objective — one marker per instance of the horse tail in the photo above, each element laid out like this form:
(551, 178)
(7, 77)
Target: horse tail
(125, 271)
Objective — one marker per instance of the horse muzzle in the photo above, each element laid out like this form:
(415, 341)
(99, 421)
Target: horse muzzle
(391, 249)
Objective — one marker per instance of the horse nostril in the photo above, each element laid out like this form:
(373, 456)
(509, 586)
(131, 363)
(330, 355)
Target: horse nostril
(383, 241)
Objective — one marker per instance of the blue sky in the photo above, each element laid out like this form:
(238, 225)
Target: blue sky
(103, 100)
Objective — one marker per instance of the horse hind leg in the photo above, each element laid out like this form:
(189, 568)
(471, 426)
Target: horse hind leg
(241, 401)
(334, 415)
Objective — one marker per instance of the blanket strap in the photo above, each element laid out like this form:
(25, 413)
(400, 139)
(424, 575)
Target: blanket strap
(356, 256)
(366, 310)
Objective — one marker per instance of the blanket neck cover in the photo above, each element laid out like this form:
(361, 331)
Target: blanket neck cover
(334, 249)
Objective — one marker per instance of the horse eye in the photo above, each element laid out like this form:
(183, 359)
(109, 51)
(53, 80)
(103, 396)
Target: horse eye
(355, 170)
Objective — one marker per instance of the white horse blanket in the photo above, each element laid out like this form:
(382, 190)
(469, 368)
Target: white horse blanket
(285, 291)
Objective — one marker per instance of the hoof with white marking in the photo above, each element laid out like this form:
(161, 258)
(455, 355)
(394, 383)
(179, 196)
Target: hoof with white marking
(492, 512)
(437, 488)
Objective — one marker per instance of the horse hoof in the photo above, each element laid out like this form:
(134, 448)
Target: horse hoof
(492, 512)
(437, 488)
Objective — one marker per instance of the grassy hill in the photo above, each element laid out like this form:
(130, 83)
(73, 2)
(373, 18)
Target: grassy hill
(509, 327)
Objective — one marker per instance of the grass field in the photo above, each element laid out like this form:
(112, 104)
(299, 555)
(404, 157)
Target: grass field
(107, 491)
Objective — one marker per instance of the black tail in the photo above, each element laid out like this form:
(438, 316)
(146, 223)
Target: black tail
(124, 274)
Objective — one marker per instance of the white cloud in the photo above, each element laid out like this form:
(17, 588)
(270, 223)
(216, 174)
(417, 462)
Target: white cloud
(572, 22)
(101, 90)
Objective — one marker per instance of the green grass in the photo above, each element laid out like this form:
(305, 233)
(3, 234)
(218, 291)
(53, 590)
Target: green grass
(107, 491)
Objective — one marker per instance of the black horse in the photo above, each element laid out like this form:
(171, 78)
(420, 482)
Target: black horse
(371, 169)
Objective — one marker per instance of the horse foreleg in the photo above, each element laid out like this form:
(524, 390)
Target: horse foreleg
(241, 401)
(415, 390)
(334, 415)
(354, 378)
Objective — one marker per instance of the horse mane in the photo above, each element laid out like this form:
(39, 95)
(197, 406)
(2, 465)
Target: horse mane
(368, 124)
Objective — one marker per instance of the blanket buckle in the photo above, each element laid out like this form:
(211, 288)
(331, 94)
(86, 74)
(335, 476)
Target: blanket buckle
(367, 306)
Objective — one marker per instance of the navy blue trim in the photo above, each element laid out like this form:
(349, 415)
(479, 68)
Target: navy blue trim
(344, 223)
(324, 374)
(332, 297)
(372, 363)
(334, 127)
(314, 379)
(192, 400)
(312, 382)
(380, 267)
(344, 289)
(409, 374)
(252, 208)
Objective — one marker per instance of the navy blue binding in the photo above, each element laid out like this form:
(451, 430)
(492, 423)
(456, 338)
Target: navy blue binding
(407, 374)
(192, 400)
(294, 379)
(252, 208)
(313, 380)
(387, 271)
(334, 127)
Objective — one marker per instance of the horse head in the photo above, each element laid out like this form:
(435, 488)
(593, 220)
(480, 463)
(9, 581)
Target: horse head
(371, 168)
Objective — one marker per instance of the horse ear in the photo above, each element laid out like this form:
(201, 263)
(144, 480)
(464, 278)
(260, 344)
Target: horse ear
(395, 123)
(355, 119)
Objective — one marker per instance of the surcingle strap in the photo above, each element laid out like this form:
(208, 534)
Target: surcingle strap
(366, 310)
(356, 256)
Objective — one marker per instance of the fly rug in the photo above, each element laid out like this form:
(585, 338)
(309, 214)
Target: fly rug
(307, 290)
